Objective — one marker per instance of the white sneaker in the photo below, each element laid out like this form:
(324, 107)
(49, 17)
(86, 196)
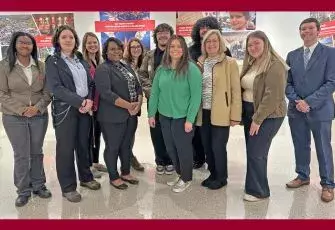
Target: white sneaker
(181, 186)
(174, 181)
(251, 198)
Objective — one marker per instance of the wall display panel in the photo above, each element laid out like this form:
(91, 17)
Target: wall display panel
(327, 21)
(131, 24)
(235, 27)
(41, 26)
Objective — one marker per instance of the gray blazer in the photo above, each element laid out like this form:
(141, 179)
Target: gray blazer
(15, 92)
(111, 85)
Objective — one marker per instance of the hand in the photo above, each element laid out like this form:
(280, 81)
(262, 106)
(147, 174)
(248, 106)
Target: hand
(30, 111)
(134, 108)
(254, 129)
(152, 122)
(233, 123)
(82, 110)
(89, 104)
(188, 126)
(302, 106)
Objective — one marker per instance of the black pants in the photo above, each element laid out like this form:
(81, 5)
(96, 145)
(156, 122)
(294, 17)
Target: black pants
(215, 139)
(256, 182)
(72, 135)
(161, 155)
(198, 149)
(118, 138)
(94, 139)
(179, 145)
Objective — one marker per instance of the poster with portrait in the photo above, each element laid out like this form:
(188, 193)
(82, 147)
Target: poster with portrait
(41, 26)
(125, 25)
(327, 21)
(235, 27)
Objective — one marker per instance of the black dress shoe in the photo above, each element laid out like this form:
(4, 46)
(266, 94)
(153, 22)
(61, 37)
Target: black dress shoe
(206, 182)
(198, 165)
(213, 185)
(21, 201)
(121, 186)
(43, 193)
(132, 181)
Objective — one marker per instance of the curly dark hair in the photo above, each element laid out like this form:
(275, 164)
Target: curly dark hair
(160, 28)
(210, 22)
(55, 38)
(105, 46)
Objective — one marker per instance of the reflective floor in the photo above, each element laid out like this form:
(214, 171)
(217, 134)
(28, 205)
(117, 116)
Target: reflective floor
(153, 199)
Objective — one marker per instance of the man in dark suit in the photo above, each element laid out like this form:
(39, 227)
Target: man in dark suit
(310, 86)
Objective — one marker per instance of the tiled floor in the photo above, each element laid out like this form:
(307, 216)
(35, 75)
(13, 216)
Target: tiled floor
(152, 198)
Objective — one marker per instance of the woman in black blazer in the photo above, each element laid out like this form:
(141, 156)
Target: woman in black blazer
(68, 79)
(119, 106)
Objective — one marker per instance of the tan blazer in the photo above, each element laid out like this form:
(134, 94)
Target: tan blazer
(16, 93)
(226, 98)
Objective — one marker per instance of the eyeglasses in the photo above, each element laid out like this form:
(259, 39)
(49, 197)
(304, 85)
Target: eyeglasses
(135, 47)
(163, 33)
(24, 43)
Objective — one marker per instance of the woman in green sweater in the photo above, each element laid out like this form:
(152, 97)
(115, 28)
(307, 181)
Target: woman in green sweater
(176, 94)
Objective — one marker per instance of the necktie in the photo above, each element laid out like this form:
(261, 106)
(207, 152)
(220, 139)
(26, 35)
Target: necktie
(307, 53)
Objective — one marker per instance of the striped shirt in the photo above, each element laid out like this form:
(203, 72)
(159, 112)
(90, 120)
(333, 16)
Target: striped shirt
(207, 83)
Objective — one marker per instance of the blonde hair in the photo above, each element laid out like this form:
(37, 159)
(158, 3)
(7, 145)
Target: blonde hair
(268, 56)
(222, 47)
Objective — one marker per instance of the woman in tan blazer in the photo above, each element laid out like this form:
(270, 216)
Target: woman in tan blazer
(221, 106)
(24, 100)
(263, 82)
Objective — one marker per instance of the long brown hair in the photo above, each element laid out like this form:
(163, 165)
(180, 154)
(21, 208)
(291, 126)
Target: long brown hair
(85, 51)
(182, 65)
(129, 58)
(269, 54)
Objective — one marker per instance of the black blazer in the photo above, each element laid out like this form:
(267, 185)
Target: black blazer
(60, 83)
(111, 85)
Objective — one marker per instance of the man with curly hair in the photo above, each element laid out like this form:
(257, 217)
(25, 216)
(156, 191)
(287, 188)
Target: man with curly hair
(151, 61)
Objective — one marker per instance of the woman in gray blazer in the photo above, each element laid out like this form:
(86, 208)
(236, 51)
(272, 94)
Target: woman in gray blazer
(24, 100)
(120, 103)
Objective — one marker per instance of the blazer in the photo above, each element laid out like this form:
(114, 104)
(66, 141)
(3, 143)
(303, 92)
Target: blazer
(147, 72)
(61, 84)
(15, 92)
(269, 93)
(315, 84)
(111, 85)
(226, 95)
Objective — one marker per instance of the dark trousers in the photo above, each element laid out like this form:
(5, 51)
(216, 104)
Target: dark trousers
(26, 136)
(215, 139)
(161, 155)
(118, 138)
(301, 134)
(72, 135)
(179, 145)
(198, 148)
(94, 139)
(256, 182)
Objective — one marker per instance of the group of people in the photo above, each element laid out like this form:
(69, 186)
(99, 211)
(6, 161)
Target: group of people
(194, 96)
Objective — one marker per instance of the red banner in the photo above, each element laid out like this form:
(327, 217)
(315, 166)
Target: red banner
(184, 30)
(43, 41)
(327, 29)
(131, 25)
